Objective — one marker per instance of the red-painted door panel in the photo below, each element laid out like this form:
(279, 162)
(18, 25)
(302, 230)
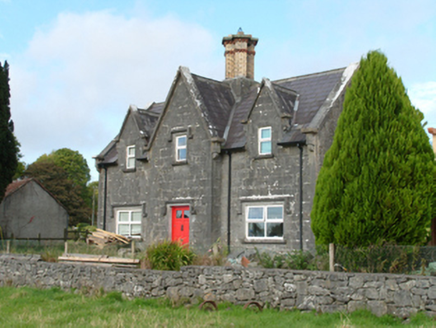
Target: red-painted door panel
(180, 224)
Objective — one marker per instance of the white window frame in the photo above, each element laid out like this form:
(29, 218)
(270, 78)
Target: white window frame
(264, 140)
(181, 147)
(264, 220)
(130, 221)
(130, 156)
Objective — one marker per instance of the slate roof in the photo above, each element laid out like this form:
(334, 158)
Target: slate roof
(218, 102)
(145, 120)
(225, 111)
(236, 137)
(313, 90)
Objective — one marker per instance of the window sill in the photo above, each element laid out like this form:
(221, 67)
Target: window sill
(129, 170)
(263, 241)
(179, 163)
(264, 156)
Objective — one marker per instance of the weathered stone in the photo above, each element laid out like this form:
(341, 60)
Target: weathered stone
(186, 291)
(373, 284)
(260, 285)
(330, 308)
(372, 293)
(173, 293)
(432, 293)
(402, 298)
(287, 303)
(356, 282)
(228, 278)
(378, 308)
(315, 290)
(359, 295)
(307, 303)
(237, 283)
(324, 300)
(202, 279)
(407, 285)
(419, 291)
(290, 287)
(245, 294)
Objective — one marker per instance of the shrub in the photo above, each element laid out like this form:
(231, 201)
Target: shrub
(269, 261)
(300, 260)
(169, 255)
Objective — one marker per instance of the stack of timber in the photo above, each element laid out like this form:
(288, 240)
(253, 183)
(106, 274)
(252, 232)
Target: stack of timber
(102, 238)
(98, 260)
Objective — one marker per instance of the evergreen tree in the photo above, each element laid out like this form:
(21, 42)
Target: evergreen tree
(8, 147)
(377, 180)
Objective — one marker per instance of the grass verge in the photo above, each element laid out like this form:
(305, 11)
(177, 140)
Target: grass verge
(28, 307)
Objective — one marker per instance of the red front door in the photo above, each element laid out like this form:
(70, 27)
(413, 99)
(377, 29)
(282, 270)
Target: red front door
(180, 224)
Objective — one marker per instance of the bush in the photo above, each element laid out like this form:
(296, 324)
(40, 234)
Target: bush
(169, 255)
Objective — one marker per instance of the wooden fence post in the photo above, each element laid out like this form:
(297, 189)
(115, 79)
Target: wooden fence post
(8, 246)
(66, 248)
(332, 257)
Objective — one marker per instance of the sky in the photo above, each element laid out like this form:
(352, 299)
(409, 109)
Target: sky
(77, 65)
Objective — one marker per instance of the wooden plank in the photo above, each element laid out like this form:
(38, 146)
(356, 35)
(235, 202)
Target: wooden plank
(85, 255)
(97, 240)
(119, 237)
(98, 259)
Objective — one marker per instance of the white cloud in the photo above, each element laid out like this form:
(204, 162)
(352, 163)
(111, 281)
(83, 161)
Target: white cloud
(73, 85)
(423, 96)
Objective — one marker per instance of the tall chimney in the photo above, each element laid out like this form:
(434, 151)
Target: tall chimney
(239, 55)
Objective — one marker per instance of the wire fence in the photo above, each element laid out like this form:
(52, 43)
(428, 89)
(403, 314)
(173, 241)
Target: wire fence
(386, 259)
(39, 243)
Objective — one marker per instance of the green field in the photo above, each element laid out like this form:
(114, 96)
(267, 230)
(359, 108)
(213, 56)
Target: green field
(27, 307)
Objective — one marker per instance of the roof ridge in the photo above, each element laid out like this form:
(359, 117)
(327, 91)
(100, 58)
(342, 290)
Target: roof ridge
(310, 75)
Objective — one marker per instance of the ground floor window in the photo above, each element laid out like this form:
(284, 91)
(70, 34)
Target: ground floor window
(129, 222)
(264, 221)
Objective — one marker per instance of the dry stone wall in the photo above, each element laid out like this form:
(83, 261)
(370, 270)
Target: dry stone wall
(400, 295)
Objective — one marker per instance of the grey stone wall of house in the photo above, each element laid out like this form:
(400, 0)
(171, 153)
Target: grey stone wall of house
(192, 183)
(30, 212)
(265, 180)
(126, 187)
(399, 295)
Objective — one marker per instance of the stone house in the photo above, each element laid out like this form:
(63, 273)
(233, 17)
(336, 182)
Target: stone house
(235, 159)
(28, 210)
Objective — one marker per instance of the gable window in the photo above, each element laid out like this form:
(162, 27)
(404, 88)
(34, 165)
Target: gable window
(129, 222)
(264, 221)
(130, 157)
(181, 148)
(265, 141)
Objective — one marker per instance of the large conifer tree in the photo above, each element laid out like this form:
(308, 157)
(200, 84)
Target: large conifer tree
(377, 180)
(8, 147)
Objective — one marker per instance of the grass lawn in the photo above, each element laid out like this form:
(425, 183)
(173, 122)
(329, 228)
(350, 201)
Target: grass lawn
(27, 307)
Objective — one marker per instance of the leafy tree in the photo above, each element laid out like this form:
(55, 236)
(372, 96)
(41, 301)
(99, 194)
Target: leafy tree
(377, 180)
(8, 148)
(72, 162)
(56, 180)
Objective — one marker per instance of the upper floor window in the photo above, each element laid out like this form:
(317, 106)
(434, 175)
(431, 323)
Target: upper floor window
(265, 141)
(264, 221)
(129, 222)
(130, 157)
(181, 148)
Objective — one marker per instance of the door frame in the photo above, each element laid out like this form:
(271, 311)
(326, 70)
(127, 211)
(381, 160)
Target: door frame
(170, 218)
